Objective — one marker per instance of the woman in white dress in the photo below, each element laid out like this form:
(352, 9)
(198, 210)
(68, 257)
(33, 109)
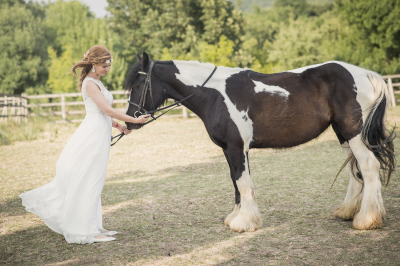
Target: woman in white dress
(71, 203)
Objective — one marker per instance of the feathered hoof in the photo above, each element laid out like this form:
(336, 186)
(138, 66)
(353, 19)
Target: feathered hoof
(372, 220)
(345, 213)
(242, 223)
(229, 218)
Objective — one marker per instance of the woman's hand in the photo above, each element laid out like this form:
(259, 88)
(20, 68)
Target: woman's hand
(123, 128)
(141, 119)
(120, 127)
(127, 131)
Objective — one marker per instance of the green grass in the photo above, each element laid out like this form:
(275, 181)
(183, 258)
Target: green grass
(168, 191)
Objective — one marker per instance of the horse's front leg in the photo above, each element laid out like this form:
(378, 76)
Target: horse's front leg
(246, 216)
(237, 194)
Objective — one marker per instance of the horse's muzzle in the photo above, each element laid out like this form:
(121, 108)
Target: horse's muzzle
(132, 126)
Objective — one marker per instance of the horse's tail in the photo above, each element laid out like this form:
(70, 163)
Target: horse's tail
(375, 134)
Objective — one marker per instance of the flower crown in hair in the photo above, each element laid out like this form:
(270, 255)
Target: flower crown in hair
(108, 61)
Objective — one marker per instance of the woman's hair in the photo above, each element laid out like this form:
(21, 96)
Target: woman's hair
(95, 55)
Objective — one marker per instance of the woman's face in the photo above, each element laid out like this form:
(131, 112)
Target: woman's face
(102, 69)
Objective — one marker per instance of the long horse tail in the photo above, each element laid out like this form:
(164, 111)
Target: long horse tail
(375, 135)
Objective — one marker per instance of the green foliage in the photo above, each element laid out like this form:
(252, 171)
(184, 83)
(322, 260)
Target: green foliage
(152, 25)
(375, 31)
(249, 5)
(302, 7)
(75, 30)
(305, 41)
(219, 54)
(21, 48)
(68, 24)
(43, 41)
(60, 78)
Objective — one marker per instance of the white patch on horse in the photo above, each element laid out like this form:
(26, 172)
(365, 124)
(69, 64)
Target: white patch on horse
(194, 73)
(261, 87)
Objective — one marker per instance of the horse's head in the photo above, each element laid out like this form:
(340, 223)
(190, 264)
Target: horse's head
(146, 91)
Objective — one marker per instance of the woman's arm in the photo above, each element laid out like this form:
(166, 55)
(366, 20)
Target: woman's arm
(114, 123)
(121, 128)
(98, 98)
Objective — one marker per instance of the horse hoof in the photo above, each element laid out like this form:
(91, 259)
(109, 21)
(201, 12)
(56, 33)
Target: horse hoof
(368, 222)
(343, 214)
(241, 224)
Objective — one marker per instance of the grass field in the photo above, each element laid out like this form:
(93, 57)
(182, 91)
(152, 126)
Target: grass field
(168, 191)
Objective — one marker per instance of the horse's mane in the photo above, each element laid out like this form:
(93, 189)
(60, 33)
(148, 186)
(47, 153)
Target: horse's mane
(132, 76)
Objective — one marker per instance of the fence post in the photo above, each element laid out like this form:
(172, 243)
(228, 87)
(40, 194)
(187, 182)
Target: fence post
(18, 117)
(391, 91)
(184, 112)
(25, 111)
(63, 114)
(5, 109)
(12, 113)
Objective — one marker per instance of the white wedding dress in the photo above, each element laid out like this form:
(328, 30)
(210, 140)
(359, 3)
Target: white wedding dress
(71, 203)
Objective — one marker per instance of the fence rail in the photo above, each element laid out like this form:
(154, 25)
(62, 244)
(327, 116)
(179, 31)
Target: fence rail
(17, 106)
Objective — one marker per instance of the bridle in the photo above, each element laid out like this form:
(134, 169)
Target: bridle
(147, 88)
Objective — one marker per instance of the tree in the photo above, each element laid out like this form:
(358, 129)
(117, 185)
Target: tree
(374, 28)
(152, 25)
(22, 47)
(75, 30)
(219, 54)
(305, 41)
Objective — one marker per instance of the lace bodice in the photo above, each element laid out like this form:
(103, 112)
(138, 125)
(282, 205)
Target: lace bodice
(91, 106)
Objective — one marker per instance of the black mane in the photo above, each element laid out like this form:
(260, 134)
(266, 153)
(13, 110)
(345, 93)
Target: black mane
(132, 76)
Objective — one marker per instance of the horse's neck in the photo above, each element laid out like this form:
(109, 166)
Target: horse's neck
(191, 75)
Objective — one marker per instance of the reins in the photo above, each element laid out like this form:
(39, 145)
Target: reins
(147, 87)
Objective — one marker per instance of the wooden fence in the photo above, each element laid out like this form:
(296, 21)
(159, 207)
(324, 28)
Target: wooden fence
(19, 103)
(391, 86)
(16, 107)
(13, 107)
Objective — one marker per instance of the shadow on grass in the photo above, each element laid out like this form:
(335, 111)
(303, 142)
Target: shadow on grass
(12, 207)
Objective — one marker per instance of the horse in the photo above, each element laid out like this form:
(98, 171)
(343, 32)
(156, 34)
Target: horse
(242, 109)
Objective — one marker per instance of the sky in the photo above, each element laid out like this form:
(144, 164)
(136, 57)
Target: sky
(98, 7)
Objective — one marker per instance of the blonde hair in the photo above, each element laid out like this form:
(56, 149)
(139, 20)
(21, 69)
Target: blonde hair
(95, 55)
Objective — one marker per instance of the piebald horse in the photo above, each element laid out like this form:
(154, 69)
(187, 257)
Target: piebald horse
(242, 109)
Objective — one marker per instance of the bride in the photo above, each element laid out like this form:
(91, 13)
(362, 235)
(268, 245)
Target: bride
(71, 203)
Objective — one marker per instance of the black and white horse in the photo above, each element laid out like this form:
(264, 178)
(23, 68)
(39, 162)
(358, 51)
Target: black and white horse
(242, 109)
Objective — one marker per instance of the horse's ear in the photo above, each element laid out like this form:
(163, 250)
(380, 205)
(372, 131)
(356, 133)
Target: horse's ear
(139, 58)
(145, 62)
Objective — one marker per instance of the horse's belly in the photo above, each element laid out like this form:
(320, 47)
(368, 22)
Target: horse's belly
(284, 132)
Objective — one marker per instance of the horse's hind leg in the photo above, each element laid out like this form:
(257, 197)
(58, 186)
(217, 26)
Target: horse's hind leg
(246, 216)
(372, 212)
(352, 202)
